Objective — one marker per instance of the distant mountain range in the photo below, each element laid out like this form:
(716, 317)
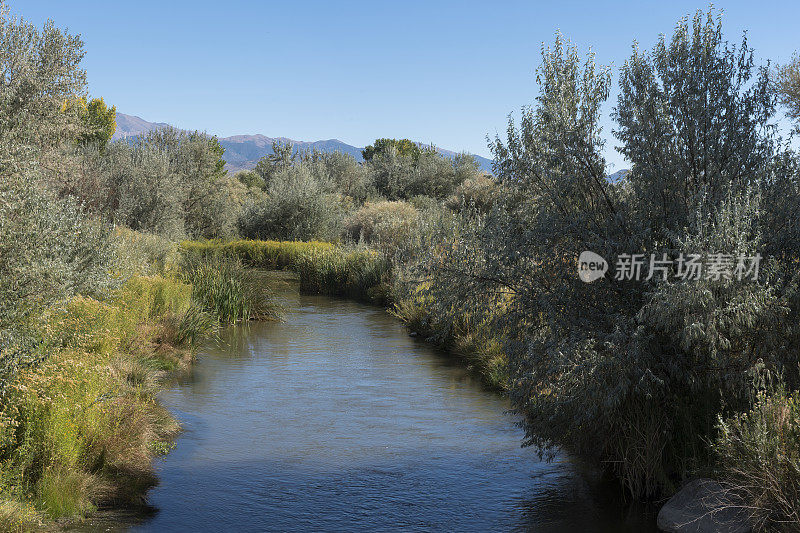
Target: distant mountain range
(242, 152)
(618, 176)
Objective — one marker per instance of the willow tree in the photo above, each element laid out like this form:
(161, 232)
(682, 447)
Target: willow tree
(48, 250)
(632, 373)
(39, 71)
(789, 88)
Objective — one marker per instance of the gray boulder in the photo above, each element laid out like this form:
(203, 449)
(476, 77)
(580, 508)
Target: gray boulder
(704, 506)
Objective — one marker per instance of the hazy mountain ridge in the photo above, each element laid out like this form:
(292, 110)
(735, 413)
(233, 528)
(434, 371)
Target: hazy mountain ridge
(131, 126)
(243, 151)
(618, 176)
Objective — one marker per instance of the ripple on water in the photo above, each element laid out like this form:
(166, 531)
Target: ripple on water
(335, 419)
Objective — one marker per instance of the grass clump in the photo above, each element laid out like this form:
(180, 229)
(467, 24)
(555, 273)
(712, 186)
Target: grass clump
(18, 517)
(354, 272)
(476, 344)
(357, 273)
(228, 290)
(758, 453)
(270, 255)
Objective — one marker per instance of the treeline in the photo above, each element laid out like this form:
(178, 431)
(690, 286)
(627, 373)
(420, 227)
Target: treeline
(93, 314)
(317, 195)
(655, 380)
(174, 183)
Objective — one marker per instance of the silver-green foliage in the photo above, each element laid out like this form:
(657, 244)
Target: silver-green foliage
(39, 71)
(298, 206)
(49, 249)
(758, 452)
(634, 373)
(399, 177)
(171, 183)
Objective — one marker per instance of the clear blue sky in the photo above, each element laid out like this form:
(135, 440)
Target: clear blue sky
(441, 72)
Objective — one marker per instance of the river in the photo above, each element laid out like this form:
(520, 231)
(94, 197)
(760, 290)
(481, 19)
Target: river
(334, 419)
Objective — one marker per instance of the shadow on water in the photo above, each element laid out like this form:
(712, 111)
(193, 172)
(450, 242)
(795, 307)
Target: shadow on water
(335, 419)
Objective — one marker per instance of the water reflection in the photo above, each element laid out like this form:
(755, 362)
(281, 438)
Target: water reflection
(335, 419)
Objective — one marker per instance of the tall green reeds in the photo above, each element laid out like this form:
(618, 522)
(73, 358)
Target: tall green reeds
(353, 272)
(228, 290)
(357, 273)
(270, 255)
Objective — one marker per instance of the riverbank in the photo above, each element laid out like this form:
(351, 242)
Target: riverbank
(80, 425)
(80, 430)
(363, 274)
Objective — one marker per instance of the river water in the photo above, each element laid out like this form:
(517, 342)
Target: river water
(336, 420)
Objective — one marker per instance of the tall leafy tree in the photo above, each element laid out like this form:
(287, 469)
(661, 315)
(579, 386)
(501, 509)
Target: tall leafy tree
(632, 373)
(39, 71)
(173, 183)
(101, 122)
(403, 147)
(789, 88)
(694, 120)
(282, 157)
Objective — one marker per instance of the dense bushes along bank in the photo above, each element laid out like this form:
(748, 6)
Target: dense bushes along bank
(363, 274)
(79, 422)
(81, 428)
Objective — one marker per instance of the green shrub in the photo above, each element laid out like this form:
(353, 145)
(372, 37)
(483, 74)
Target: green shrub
(340, 173)
(170, 183)
(630, 374)
(385, 222)
(479, 192)
(429, 173)
(80, 428)
(297, 207)
(759, 457)
(49, 252)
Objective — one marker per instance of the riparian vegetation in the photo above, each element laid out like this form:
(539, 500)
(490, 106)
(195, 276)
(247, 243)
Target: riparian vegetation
(118, 257)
